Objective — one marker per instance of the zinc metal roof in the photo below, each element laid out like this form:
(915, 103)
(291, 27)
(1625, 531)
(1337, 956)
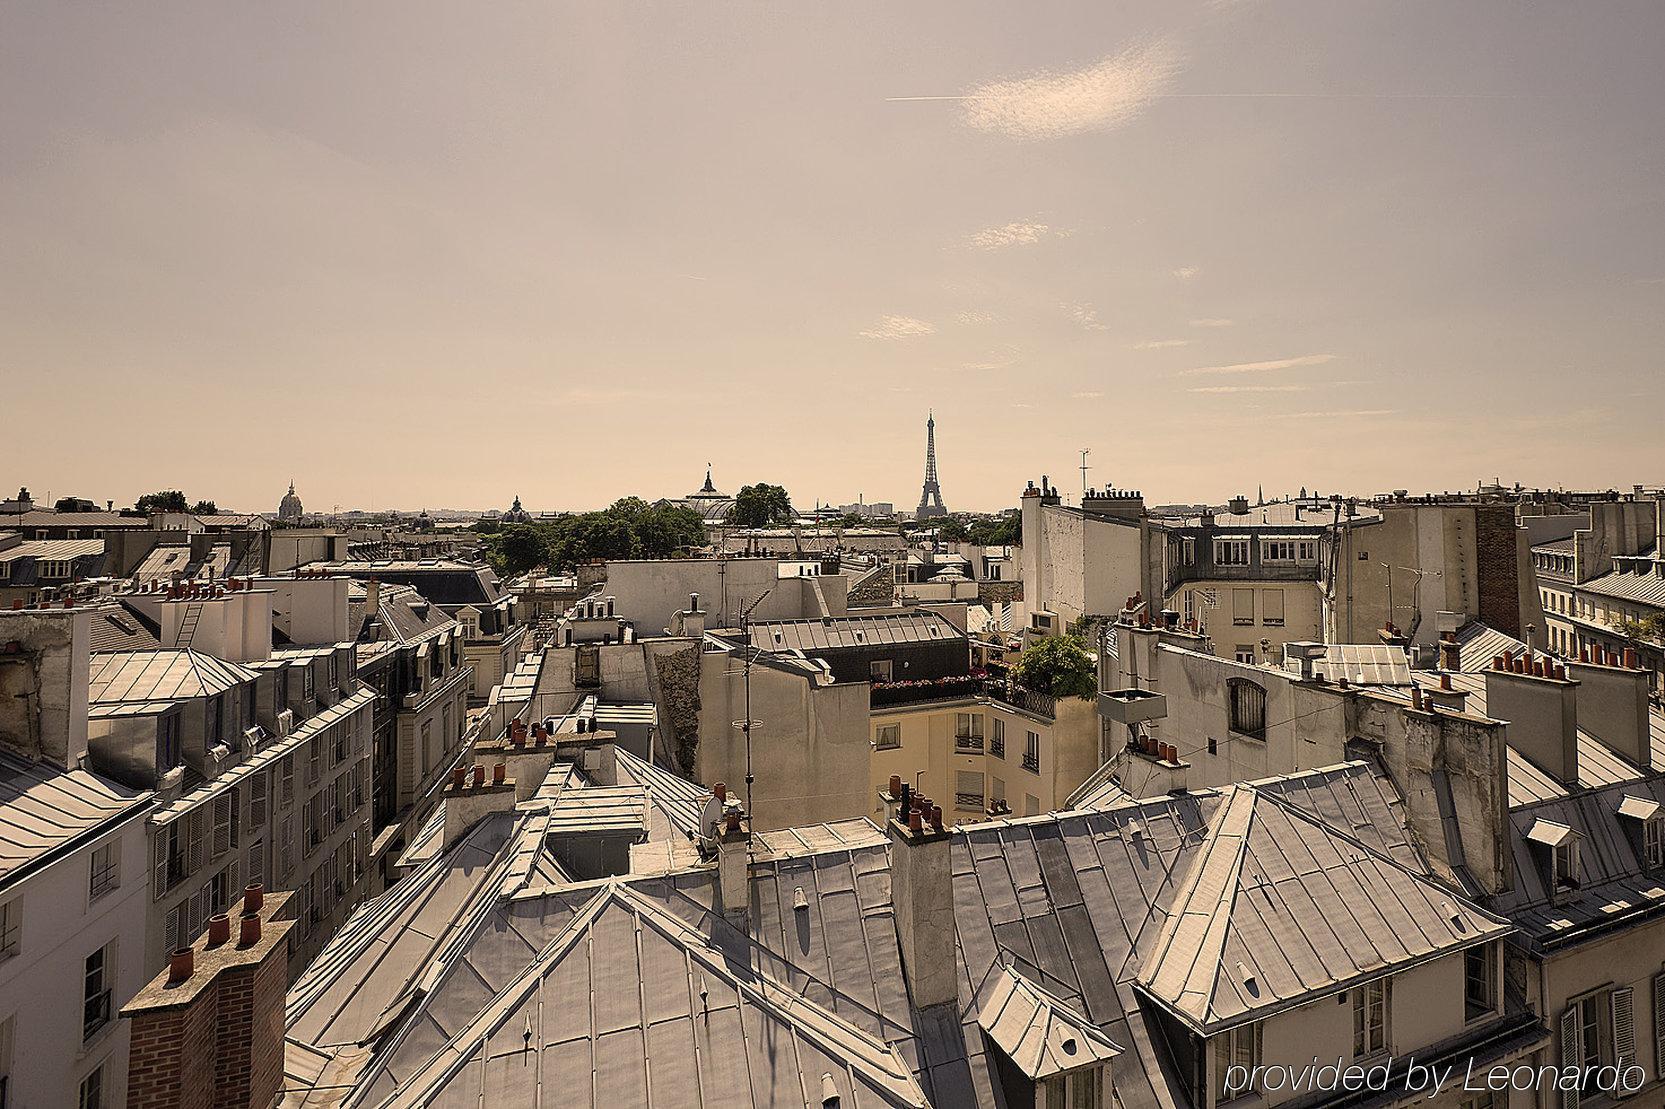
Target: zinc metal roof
(600, 810)
(43, 809)
(1645, 588)
(836, 632)
(53, 549)
(1280, 907)
(1041, 1033)
(168, 675)
(1615, 884)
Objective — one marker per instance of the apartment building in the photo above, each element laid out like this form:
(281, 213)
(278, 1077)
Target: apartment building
(1600, 586)
(74, 855)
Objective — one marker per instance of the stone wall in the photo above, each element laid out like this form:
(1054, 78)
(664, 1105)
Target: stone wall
(991, 593)
(874, 589)
(678, 677)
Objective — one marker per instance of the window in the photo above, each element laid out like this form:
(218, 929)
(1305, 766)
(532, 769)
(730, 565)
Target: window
(997, 743)
(1653, 842)
(968, 789)
(887, 737)
(1244, 652)
(879, 670)
(167, 742)
(1479, 982)
(1236, 1055)
(1247, 708)
(287, 779)
(1187, 551)
(1271, 607)
(103, 876)
(1599, 1030)
(997, 789)
(99, 975)
(1277, 550)
(1370, 1018)
(223, 824)
(968, 731)
(1032, 752)
(1566, 864)
(11, 927)
(314, 761)
(215, 722)
(91, 1095)
(1487, 1100)
(1231, 552)
(306, 683)
(1243, 607)
(1082, 1089)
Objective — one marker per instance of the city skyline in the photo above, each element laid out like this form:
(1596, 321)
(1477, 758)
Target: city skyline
(1142, 230)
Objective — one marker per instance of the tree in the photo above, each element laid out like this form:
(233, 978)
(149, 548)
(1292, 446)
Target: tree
(515, 550)
(1059, 666)
(205, 508)
(665, 529)
(171, 500)
(758, 506)
(950, 530)
(1006, 531)
(852, 520)
(1650, 628)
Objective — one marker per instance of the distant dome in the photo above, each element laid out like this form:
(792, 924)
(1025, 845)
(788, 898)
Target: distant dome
(289, 508)
(517, 514)
(708, 502)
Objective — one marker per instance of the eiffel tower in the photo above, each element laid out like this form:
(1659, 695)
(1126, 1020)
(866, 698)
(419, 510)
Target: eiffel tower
(930, 499)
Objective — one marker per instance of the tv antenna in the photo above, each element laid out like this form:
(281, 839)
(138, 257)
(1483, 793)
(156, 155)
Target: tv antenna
(748, 723)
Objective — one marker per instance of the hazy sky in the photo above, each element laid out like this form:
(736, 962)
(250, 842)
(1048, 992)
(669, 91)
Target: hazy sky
(435, 255)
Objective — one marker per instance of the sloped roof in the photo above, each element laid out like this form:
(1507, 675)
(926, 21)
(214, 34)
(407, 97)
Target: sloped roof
(837, 632)
(1281, 906)
(623, 981)
(1644, 588)
(43, 809)
(1039, 1032)
(169, 675)
(1615, 884)
(1361, 663)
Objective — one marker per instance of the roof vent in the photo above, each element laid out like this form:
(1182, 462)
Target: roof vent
(800, 903)
(829, 1091)
(1250, 983)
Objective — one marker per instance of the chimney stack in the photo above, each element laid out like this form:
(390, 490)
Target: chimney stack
(922, 893)
(1542, 714)
(472, 797)
(208, 1031)
(1613, 707)
(734, 842)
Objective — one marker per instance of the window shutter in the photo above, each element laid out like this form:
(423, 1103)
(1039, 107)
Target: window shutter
(170, 930)
(222, 824)
(1659, 1022)
(1571, 1054)
(159, 884)
(1624, 1034)
(193, 853)
(257, 862)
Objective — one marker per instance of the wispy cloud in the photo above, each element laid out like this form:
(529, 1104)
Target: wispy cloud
(1085, 315)
(1248, 389)
(1014, 234)
(899, 327)
(1049, 105)
(1262, 367)
(1186, 273)
(1161, 344)
(973, 317)
(1091, 394)
(1002, 359)
(1212, 321)
(1353, 413)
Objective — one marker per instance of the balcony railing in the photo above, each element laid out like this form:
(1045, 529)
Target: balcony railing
(968, 801)
(1032, 763)
(886, 694)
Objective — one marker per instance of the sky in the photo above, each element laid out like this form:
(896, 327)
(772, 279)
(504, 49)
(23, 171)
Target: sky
(437, 255)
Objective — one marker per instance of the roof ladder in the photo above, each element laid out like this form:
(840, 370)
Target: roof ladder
(188, 625)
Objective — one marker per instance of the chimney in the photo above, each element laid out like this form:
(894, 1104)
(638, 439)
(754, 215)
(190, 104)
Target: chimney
(734, 843)
(890, 799)
(1613, 707)
(372, 597)
(1542, 714)
(472, 798)
(922, 893)
(208, 1031)
(1445, 695)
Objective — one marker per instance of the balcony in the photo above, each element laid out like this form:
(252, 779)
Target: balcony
(887, 694)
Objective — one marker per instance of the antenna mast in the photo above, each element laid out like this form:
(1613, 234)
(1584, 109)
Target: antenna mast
(748, 723)
(1084, 468)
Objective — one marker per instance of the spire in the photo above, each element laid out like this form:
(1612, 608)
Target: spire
(930, 497)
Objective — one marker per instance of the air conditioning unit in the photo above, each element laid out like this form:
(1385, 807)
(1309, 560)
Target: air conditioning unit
(285, 722)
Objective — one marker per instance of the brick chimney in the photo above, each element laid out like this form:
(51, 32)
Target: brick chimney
(474, 793)
(1613, 706)
(1541, 711)
(922, 892)
(208, 1032)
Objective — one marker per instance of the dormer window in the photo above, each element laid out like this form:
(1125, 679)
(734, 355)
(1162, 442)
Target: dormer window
(1647, 816)
(1566, 864)
(1081, 1089)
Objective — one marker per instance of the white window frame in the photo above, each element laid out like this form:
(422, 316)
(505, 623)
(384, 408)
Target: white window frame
(1372, 1018)
(1231, 552)
(103, 870)
(887, 737)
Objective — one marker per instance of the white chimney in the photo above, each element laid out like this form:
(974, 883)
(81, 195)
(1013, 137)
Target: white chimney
(922, 892)
(734, 842)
